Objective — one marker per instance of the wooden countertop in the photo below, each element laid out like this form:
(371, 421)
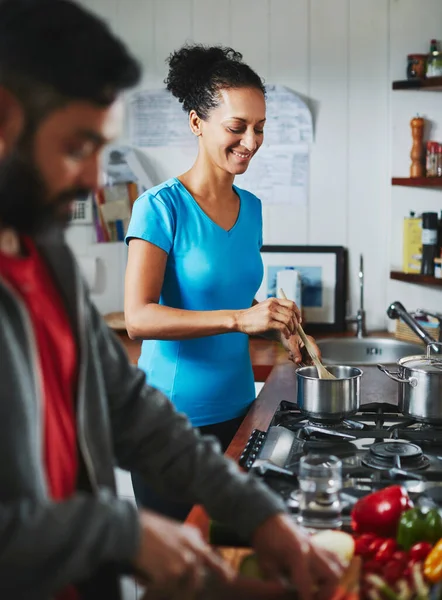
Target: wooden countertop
(281, 385)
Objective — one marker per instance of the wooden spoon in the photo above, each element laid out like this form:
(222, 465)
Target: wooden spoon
(323, 373)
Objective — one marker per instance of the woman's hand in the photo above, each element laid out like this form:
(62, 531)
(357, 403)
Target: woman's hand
(296, 349)
(286, 551)
(273, 314)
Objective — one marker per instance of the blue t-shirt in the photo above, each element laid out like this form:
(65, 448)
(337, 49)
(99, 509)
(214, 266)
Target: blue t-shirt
(210, 379)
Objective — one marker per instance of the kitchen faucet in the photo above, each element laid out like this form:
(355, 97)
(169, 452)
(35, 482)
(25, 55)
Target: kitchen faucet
(426, 313)
(396, 310)
(359, 319)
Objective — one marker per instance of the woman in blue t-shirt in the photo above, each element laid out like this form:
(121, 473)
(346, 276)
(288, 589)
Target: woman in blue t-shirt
(194, 262)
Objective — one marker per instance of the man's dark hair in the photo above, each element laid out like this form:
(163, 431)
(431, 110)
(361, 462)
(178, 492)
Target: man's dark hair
(54, 51)
(198, 73)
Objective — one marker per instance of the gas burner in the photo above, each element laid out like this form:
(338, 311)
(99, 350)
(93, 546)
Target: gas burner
(396, 454)
(324, 424)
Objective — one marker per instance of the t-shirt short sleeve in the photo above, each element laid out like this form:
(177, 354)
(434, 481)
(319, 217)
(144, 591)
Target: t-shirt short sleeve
(151, 221)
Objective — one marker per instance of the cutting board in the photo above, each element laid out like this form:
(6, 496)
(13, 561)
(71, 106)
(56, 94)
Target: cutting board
(245, 588)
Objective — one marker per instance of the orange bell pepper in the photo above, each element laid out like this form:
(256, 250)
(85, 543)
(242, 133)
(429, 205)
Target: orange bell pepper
(433, 564)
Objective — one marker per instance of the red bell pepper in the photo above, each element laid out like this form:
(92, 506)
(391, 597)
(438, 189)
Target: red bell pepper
(380, 511)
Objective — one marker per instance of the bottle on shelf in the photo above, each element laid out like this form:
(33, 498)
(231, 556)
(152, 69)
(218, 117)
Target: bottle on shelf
(439, 161)
(434, 62)
(417, 149)
(429, 242)
(412, 244)
(431, 159)
(439, 236)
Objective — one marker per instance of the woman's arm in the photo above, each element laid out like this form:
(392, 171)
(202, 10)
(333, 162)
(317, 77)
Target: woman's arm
(147, 319)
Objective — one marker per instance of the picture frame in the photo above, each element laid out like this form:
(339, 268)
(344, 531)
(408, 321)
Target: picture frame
(323, 277)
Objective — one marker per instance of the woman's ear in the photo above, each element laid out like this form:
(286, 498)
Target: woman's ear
(11, 121)
(194, 123)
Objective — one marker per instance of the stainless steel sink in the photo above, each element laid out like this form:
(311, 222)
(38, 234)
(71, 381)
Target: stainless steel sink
(366, 351)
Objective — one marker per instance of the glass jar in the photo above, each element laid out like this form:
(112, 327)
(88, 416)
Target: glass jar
(320, 482)
(416, 66)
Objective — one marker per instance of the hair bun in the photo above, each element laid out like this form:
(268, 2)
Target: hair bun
(191, 67)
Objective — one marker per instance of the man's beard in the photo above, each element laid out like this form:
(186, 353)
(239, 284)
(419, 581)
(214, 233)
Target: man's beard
(25, 204)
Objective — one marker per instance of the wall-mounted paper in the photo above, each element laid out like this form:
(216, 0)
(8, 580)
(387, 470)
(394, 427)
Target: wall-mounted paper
(278, 175)
(289, 119)
(156, 118)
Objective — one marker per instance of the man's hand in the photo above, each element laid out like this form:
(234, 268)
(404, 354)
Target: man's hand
(285, 551)
(173, 556)
(296, 350)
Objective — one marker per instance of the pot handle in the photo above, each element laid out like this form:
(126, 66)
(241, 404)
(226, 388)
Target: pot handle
(394, 376)
(431, 346)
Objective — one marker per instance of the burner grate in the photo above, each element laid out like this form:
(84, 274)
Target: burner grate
(395, 454)
(324, 424)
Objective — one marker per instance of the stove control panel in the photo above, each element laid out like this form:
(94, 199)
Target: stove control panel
(252, 448)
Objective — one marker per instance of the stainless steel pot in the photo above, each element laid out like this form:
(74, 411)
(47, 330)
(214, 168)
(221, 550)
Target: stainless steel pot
(420, 386)
(329, 400)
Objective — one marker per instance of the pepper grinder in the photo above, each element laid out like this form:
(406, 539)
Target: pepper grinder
(416, 154)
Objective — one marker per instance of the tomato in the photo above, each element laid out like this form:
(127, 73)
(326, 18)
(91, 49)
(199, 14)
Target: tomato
(368, 537)
(420, 551)
(362, 548)
(386, 551)
(376, 544)
(393, 571)
(400, 556)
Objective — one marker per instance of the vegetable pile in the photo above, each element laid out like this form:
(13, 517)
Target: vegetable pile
(400, 546)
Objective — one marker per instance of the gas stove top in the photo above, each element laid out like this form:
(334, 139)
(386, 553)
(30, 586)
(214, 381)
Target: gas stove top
(377, 447)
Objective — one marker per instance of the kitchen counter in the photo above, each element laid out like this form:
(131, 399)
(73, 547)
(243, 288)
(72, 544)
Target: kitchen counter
(270, 364)
(281, 385)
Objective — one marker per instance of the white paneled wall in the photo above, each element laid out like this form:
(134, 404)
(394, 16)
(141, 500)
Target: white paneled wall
(341, 56)
(410, 27)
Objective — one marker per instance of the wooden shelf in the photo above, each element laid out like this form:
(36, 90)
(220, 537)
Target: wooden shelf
(416, 278)
(431, 84)
(418, 181)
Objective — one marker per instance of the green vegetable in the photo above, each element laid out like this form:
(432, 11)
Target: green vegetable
(382, 586)
(433, 522)
(249, 567)
(416, 526)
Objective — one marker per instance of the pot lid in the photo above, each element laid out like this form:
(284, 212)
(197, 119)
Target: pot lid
(423, 363)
